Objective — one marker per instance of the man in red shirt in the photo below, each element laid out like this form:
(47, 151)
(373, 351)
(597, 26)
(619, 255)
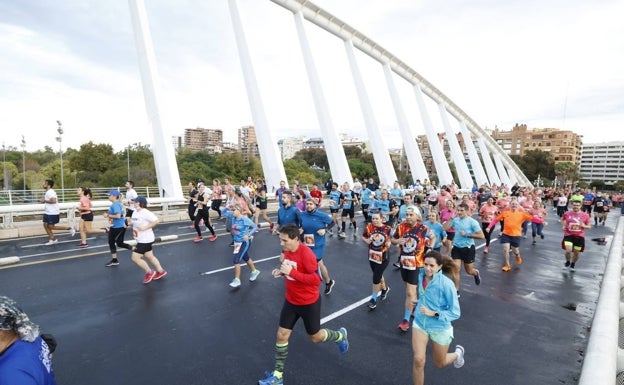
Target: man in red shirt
(317, 195)
(303, 300)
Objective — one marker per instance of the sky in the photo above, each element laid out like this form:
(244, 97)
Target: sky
(547, 64)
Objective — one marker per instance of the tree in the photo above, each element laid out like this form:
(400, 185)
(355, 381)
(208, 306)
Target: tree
(536, 163)
(93, 157)
(567, 173)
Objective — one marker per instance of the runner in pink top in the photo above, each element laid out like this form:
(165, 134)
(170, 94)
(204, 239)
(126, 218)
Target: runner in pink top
(573, 224)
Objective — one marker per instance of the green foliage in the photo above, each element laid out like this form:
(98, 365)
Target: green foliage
(536, 163)
(92, 157)
(361, 169)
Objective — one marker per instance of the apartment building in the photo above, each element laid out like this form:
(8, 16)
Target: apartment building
(602, 162)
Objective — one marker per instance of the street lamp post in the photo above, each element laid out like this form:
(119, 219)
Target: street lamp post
(4, 176)
(128, 151)
(24, 162)
(60, 140)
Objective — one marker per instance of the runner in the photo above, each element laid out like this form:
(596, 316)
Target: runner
(52, 213)
(378, 238)
(85, 225)
(573, 224)
(412, 237)
(303, 300)
(538, 223)
(487, 212)
(313, 227)
(242, 230)
(512, 232)
(117, 229)
(143, 221)
(467, 229)
(437, 306)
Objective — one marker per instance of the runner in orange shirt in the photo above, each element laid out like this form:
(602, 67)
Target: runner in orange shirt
(512, 232)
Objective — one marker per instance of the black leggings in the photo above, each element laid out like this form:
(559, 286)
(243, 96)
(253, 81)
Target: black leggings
(116, 239)
(203, 214)
(379, 268)
(488, 234)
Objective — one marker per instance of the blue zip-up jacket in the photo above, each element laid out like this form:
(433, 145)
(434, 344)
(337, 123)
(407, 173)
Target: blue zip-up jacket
(311, 223)
(287, 215)
(439, 296)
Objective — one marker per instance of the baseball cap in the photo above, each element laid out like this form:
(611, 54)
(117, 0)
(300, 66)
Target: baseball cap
(114, 193)
(140, 199)
(12, 317)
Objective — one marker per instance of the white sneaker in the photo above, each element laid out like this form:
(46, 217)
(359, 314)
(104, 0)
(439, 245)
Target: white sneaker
(254, 275)
(72, 231)
(235, 282)
(459, 361)
(51, 242)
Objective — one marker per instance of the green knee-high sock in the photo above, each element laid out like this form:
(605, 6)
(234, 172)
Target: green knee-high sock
(332, 335)
(281, 352)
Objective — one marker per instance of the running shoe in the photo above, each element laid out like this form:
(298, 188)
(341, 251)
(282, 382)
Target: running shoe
(254, 275)
(397, 264)
(271, 226)
(518, 259)
(572, 266)
(271, 379)
(342, 235)
(459, 361)
(72, 231)
(159, 274)
(235, 282)
(149, 276)
(486, 250)
(566, 265)
(212, 238)
(51, 242)
(83, 245)
(384, 293)
(343, 344)
(330, 232)
(329, 286)
(542, 235)
(197, 239)
(477, 278)
(112, 262)
(506, 268)
(534, 243)
(372, 304)
(404, 325)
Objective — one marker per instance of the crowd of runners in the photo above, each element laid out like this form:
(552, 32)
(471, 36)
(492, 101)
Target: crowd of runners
(429, 253)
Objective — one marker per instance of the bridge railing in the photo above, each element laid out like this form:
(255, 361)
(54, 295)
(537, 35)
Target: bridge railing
(16, 203)
(604, 356)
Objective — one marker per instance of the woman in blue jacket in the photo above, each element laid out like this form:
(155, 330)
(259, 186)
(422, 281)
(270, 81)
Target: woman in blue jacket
(437, 306)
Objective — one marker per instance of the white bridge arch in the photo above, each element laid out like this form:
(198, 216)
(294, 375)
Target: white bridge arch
(490, 164)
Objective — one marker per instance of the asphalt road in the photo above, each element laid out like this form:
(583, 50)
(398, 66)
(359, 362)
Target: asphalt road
(528, 326)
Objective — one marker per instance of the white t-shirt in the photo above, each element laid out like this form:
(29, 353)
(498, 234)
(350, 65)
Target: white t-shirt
(140, 218)
(51, 208)
(131, 194)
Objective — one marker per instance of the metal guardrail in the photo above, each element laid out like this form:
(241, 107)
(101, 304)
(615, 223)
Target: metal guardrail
(604, 360)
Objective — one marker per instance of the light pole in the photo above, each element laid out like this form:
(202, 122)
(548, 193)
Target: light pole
(60, 140)
(24, 162)
(128, 151)
(4, 164)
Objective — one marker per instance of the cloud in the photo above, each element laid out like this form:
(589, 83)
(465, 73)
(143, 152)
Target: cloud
(556, 63)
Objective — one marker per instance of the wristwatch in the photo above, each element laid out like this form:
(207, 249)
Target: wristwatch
(437, 315)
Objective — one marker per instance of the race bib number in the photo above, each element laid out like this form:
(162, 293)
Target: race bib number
(574, 227)
(237, 247)
(408, 262)
(375, 256)
(308, 240)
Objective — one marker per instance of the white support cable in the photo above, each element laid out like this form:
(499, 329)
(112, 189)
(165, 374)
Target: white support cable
(342, 30)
